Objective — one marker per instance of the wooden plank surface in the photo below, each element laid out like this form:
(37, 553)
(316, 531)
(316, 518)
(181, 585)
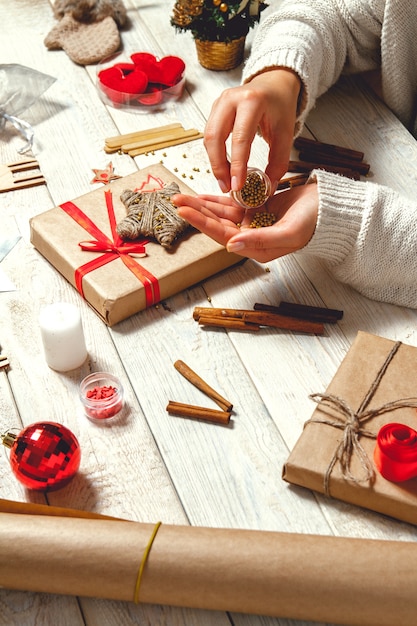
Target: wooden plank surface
(149, 465)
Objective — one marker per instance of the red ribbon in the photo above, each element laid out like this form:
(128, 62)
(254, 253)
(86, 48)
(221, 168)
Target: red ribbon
(111, 250)
(395, 453)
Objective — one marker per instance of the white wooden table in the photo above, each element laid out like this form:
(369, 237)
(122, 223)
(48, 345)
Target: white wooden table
(151, 466)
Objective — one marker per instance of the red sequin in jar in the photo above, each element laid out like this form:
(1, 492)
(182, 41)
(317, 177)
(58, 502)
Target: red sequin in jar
(101, 395)
(43, 456)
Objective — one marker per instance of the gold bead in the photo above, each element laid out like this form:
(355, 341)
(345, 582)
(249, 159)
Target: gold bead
(223, 7)
(216, 2)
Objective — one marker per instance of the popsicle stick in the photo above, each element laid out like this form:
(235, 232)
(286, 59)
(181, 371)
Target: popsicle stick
(164, 144)
(149, 142)
(23, 184)
(24, 179)
(22, 166)
(8, 182)
(117, 141)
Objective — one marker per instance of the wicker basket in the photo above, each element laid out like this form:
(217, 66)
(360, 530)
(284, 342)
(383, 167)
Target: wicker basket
(218, 55)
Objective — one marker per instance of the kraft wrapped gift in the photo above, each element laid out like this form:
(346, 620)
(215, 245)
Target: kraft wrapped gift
(114, 290)
(335, 452)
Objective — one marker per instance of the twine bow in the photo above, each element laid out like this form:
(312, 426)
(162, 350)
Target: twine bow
(351, 422)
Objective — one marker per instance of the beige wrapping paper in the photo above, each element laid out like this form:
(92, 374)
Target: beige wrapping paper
(313, 452)
(306, 577)
(112, 290)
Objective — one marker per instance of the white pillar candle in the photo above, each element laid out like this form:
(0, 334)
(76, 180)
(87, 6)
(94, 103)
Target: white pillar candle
(62, 336)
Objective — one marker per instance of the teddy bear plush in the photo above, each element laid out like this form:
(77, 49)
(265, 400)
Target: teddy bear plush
(88, 30)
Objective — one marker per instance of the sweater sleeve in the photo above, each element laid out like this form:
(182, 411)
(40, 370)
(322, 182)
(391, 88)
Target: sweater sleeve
(366, 235)
(318, 39)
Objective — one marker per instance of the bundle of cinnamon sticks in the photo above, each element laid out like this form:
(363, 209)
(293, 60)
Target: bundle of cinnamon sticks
(338, 159)
(287, 316)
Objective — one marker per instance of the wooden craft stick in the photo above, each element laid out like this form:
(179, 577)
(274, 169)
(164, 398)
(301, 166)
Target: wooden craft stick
(244, 319)
(9, 182)
(198, 382)
(4, 361)
(164, 144)
(167, 136)
(119, 140)
(23, 184)
(35, 176)
(311, 145)
(304, 166)
(23, 165)
(302, 311)
(198, 412)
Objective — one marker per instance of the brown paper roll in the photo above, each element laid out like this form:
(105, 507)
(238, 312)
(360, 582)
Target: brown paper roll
(306, 577)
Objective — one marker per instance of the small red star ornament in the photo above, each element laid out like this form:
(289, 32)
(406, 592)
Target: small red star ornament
(105, 176)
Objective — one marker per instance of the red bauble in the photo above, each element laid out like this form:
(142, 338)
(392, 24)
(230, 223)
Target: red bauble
(44, 456)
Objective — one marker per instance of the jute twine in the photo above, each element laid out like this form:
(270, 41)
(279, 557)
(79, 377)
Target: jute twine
(151, 214)
(351, 422)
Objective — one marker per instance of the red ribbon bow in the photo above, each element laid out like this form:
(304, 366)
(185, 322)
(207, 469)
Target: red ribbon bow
(395, 453)
(111, 250)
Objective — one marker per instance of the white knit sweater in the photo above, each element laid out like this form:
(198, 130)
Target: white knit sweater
(366, 234)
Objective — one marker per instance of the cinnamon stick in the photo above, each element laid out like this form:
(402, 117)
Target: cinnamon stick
(335, 161)
(198, 382)
(292, 181)
(247, 319)
(198, 412)
(227, 322)
(302, 311)
(318, 147)
(304, 166)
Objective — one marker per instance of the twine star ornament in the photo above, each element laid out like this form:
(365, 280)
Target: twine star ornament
(152, 214)
(105, 176)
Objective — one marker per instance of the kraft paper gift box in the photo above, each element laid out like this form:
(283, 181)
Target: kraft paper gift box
(113, 290)
(314, 462)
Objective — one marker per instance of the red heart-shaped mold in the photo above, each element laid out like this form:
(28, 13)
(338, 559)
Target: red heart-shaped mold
(122, 82)
(168, 71)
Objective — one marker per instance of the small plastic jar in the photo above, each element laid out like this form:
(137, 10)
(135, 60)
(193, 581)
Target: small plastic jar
(101, 395)
(256, 190)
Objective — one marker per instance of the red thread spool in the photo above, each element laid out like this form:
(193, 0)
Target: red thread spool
(395, 453)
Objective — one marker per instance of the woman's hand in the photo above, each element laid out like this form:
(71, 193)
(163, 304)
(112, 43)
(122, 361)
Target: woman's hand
(223, 220)
(266, 104)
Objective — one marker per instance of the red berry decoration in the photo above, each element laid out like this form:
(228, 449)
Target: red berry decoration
(43, 456)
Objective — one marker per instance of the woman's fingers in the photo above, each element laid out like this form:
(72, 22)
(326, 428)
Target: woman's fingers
(214, 216)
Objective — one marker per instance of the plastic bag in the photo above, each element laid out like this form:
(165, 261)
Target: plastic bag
(20, 87)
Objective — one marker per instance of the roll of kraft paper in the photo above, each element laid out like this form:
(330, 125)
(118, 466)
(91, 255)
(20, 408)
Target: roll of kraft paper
(305, 577)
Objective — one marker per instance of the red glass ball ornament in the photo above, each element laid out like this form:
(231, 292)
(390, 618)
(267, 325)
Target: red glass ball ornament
(44, 456)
